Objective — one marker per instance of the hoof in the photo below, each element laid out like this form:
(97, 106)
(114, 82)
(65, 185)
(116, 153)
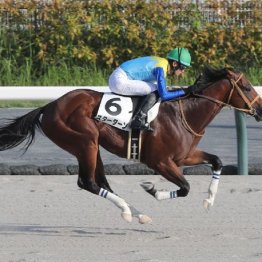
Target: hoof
(144, 219)
(207, 204)
(127, 217)
(147, 185)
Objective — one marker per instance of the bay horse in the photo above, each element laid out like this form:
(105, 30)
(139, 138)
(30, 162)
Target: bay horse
(69, 122)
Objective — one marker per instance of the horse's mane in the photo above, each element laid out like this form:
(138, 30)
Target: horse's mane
(210, 75)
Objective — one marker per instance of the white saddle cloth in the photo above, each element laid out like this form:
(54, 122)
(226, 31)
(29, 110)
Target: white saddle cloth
(117, 111)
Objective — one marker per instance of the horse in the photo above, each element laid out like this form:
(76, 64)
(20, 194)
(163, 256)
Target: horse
(180, 124)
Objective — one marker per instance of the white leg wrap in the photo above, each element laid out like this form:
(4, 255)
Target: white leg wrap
(118, 201)
(159, 195)
(213, 187)
(163, 195)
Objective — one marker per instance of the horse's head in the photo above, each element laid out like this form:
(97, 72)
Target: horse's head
(243, 95)
(236, 90)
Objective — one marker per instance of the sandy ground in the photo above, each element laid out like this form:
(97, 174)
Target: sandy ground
(50, 219)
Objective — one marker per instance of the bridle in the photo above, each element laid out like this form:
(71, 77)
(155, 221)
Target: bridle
(234, 84)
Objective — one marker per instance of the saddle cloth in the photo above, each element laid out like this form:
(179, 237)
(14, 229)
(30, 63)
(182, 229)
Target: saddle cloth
(117, 111)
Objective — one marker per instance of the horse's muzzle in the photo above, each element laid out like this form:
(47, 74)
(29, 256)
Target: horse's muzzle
(258, 113)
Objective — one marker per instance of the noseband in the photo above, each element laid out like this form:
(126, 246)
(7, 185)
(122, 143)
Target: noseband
(251, 110)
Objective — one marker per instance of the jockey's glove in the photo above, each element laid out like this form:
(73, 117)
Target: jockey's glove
(189, 90)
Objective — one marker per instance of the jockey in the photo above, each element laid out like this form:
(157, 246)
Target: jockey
(144, 75)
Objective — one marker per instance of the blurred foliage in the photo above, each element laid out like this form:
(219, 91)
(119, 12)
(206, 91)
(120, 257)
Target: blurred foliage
(106, 33)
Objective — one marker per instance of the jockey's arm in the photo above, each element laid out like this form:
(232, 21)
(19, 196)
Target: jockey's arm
(161, 86)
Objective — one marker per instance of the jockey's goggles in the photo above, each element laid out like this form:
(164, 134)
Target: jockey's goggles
(182, 67)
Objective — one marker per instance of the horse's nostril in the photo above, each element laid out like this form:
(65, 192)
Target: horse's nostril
(258, 113)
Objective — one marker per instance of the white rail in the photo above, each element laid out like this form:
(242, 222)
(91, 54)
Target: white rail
(41, 92)
(50, 92)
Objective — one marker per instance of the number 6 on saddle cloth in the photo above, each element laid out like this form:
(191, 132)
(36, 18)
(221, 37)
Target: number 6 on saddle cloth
(118, 111)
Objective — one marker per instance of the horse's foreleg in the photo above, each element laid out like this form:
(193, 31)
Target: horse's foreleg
(200, 157)
(172, 173)
(150, 188)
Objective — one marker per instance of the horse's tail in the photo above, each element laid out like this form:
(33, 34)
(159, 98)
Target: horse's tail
(20, 129)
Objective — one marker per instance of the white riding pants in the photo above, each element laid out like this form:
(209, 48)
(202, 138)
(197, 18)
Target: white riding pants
(119, 83)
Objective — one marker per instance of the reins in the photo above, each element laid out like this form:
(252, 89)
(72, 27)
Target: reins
(234, 86)
(185, 123)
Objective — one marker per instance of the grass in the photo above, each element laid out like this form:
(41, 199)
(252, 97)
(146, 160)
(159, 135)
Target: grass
(54, 76)
(254, 75)
(63, 75)
(21, 103)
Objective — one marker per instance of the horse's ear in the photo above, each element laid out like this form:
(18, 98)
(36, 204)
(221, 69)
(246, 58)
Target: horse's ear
(230, 72)
(198, 79)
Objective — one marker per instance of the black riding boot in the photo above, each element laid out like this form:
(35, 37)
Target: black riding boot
(139, 119)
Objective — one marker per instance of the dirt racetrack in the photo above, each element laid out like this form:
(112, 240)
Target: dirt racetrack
(47, 218)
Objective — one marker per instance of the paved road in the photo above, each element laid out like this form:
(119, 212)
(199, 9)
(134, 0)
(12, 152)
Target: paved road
(220, 139)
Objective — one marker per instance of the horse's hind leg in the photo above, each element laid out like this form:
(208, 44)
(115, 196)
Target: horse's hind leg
(103, 183)
(100, 174)
(87, 160)
(78, 135)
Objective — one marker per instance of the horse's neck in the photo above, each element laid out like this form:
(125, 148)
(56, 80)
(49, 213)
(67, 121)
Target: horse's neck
(199, 112)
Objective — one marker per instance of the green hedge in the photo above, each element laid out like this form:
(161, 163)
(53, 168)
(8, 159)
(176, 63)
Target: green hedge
(106, 33)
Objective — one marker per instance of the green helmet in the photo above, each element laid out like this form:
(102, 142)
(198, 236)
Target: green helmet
(181, 55)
